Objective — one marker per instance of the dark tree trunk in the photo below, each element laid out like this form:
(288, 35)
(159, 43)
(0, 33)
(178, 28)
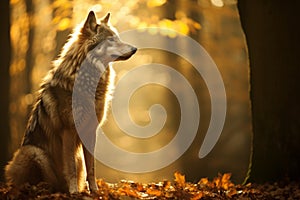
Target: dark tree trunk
(29, 52)
(272, 33)
(4, 85)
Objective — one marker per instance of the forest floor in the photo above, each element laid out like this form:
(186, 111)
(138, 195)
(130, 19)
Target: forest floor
(219, 188)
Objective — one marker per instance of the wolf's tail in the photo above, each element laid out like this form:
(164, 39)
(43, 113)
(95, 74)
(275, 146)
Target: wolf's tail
(30, 164)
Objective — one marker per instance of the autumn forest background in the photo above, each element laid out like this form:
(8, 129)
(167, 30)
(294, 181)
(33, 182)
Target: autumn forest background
(261, 130)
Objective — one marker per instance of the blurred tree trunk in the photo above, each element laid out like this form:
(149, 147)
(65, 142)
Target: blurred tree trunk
(29, 52)
(4, 86)
(19, 84)
(272, 33)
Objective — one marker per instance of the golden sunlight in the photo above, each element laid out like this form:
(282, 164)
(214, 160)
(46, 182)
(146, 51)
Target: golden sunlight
(38, 36)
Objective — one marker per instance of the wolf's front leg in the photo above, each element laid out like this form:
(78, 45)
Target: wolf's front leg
(69, 160)
(90, 169)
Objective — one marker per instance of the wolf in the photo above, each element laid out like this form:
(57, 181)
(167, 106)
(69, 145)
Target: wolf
(51, 149)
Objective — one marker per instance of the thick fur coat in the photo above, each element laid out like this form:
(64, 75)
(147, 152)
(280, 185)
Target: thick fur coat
(51, 149)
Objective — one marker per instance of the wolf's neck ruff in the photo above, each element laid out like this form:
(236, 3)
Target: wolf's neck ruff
(88, 76)
(68, 64)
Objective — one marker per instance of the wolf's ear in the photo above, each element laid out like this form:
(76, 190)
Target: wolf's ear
(105, 19)
(91, 22)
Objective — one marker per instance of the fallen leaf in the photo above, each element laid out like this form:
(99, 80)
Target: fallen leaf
(179, 179)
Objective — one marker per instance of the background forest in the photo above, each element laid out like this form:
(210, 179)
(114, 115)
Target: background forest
(34, 31)
(39, 28)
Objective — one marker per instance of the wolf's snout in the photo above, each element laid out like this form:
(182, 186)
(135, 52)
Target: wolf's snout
(133, 50)
(124, 54)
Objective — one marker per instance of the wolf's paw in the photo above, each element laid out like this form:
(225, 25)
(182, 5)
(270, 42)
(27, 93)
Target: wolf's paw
(73, 188)
(73, 191)
(93, 188)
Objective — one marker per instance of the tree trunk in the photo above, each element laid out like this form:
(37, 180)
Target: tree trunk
(29, 52)
(4, 86)
(272, 33)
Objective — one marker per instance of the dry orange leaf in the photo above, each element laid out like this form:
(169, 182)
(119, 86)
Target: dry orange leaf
(127, 192)
(226, 177)
(197, 196)
(154, 192)
(179, 179)
(203, 181)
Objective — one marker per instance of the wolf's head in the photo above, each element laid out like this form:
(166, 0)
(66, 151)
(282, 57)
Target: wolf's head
(105, 42)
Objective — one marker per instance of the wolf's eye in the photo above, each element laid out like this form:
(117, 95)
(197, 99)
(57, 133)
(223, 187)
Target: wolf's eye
(111, 39)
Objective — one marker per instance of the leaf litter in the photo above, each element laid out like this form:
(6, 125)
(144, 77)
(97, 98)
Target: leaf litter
(219, 187)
